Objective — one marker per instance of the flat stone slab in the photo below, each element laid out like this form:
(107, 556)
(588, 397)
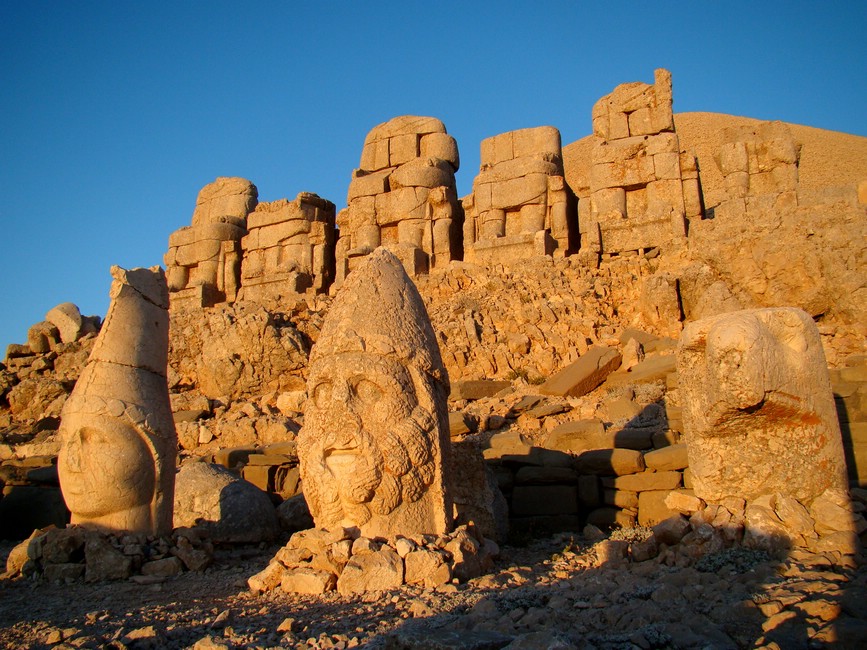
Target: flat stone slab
(477, 389)
(583, 375)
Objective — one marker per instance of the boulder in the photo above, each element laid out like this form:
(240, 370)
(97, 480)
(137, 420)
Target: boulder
(375, 571)
(228, 508)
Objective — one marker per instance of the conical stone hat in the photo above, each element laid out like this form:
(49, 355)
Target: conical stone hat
(379, 311)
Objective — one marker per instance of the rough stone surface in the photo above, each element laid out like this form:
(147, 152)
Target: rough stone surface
(403, 196)
(374, 450)
(117, 460)
(228, 508)
(758, 408)
(585, 374)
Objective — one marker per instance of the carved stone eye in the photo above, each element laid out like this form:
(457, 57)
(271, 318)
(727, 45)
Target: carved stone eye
(322, 394)
(367, 391)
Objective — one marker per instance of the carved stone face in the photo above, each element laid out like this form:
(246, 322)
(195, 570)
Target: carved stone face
(106, 469)
(366, 441)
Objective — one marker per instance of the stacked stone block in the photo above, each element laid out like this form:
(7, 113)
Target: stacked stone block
(850, 396)
(203, 263)
(643, 188)
(288, 249)
(403, 196)
(520, 205)
(760, 168)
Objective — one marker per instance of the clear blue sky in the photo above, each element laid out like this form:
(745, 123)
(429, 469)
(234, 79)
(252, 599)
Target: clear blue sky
(114, 114)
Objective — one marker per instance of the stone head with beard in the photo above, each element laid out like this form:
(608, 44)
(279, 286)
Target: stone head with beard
(374, 449)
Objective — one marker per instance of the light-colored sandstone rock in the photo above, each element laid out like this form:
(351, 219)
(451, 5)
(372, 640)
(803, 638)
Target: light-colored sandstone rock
(639, 177)
(427, 567)
(758, 410)
(403, 196)
(374, 450)
(67, 319)
(288, 249)
(607, 462)
(117, 460)
(672, 457)
(520, 206)
(307, 580)
(203, 263)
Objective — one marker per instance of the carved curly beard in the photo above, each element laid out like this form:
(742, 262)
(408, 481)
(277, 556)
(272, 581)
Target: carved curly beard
(391, 468)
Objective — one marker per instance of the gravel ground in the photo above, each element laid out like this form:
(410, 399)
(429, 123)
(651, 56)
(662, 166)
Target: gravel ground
(551, 594)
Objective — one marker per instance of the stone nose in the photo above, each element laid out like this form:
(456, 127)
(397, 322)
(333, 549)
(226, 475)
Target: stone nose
(73, 452)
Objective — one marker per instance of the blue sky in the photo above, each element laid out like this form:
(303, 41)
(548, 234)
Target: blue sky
(114, 114)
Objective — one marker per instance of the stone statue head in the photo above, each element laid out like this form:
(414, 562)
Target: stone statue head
(374, 446)
(118, 444)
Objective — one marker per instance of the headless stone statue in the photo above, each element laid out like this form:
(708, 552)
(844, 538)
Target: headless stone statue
(374, 447)
(118, 440)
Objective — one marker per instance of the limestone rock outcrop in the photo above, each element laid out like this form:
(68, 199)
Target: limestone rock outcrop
(374, 449)
(117, 459)
(241, 350)
(759, 413)
(520, 205)
(403, 197)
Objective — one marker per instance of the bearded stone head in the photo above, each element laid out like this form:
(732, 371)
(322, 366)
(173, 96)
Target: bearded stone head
(374, 446)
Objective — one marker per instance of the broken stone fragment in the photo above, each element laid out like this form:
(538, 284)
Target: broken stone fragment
(585, 374)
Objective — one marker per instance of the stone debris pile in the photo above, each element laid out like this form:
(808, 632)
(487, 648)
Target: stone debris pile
(65, 555)
(319, 560)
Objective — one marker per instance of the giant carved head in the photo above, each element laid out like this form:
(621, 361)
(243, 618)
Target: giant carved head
(374, 446)
(118, 443)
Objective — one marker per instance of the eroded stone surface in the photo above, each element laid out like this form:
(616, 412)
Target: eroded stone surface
(374, 448)
(758, 408)
(520, 206)
(117, 459)
(403, 196)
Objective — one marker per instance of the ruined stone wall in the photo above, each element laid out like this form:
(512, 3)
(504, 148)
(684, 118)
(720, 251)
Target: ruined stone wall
(203, 263)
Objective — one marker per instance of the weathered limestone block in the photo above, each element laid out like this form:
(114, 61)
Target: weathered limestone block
(759, 414)
(519, 192)
(67, 319)
(288, 249)
(203, 263)
(43, 337)
(230, 509)
(585, 374)
(375, 571)
(117, 460)
(374, 449)
(403, 196)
